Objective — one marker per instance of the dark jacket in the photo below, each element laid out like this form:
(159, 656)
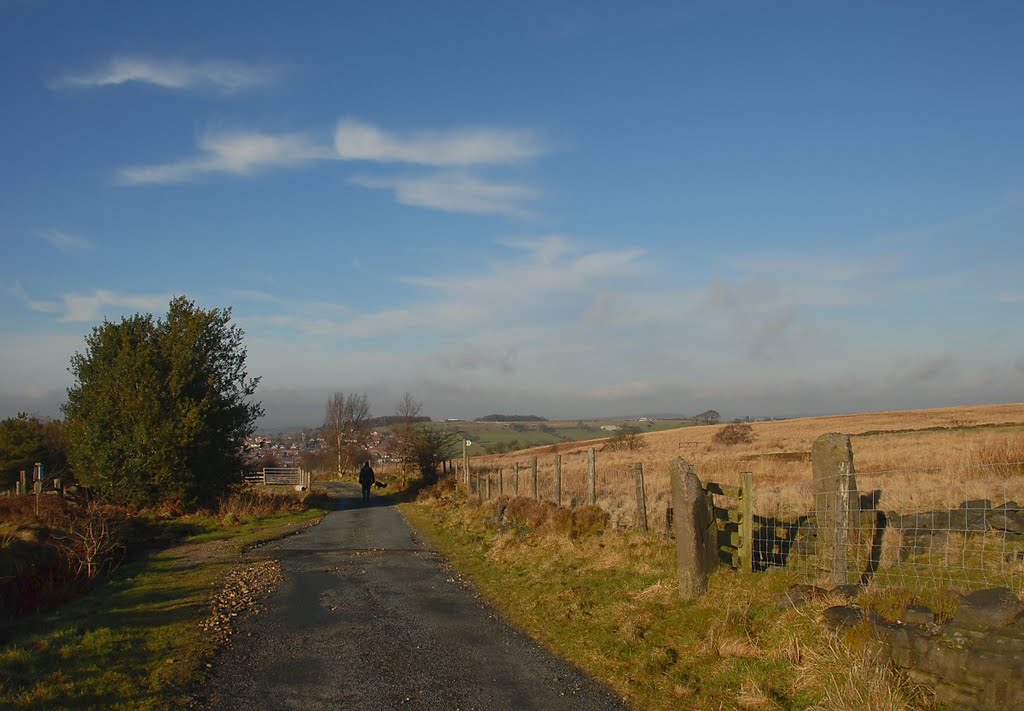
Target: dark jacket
(366, 477)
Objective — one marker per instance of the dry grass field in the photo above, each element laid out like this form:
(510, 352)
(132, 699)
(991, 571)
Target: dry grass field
(919, 459)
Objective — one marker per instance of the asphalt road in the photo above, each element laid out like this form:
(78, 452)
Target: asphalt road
(367, 618)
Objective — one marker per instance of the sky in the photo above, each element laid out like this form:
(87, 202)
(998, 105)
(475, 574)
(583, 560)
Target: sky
(564, 209)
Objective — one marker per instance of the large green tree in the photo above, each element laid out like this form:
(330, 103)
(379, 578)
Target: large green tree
(25, 440)
(160, 407)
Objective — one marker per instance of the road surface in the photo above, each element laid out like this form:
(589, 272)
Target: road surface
(367, 618)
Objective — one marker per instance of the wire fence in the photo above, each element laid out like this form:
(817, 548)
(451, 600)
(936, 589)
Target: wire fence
(955, 527)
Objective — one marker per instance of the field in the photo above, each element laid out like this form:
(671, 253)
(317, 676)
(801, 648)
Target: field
(919, 459)
(607, 601)
(491, 436)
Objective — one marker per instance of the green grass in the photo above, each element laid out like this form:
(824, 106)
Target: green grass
(609, 604)
(134, 641)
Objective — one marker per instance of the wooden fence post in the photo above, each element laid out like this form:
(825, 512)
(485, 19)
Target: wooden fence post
(533, 477)
(488, 485)
(479, 489)
(592, 476)
(641, 497)
(696, 534)
(23, 483)
(501, 481)
(747, 521)
(465, 460)
(558, 480)
(516, 471)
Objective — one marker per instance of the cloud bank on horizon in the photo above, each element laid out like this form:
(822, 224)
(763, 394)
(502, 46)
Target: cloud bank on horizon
(545, 229)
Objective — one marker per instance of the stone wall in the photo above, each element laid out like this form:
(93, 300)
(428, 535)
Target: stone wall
(973, 661)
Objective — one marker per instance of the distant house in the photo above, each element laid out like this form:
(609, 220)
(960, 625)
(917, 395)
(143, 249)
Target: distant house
(610, 428)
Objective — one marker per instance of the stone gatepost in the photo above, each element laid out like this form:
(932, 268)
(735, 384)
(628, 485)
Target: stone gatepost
(693, 523)
(836, 501)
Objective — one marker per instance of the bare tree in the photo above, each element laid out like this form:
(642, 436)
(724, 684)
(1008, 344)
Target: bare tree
(346, 430)
(422, 445)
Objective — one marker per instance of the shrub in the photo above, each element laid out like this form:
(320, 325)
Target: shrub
(626, 440)
(734, 434)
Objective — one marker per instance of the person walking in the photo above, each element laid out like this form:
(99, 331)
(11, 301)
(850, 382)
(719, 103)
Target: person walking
(366, 479)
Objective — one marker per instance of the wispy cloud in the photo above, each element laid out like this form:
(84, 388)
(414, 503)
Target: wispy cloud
(1010, 297)
(65, 242)
(170, 74)
(93, 306)
(456, 192)
(356, 140)
(239, 153)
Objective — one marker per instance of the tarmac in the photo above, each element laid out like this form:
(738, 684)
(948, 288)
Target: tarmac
(368, 618)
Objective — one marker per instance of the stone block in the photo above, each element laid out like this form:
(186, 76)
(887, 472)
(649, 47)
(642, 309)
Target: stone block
(918, 615)
(988, 609)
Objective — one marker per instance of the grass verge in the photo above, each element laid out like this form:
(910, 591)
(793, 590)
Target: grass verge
(134, 641)
(608, 603)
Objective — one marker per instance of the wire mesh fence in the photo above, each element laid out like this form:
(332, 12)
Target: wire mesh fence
(954, 527)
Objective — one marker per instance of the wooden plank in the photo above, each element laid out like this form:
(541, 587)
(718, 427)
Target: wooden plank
(727, 515)
(722, 489)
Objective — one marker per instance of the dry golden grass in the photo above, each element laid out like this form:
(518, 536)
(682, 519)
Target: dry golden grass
(919, 459)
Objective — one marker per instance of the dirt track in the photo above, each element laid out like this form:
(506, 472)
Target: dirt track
(366, 618)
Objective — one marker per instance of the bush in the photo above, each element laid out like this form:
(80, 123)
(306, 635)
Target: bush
(734, 434)
(626, 440)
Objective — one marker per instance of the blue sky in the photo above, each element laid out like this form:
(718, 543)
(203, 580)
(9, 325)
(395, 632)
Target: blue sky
(568, 209)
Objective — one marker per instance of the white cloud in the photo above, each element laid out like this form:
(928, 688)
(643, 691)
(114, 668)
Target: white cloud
(355, 140)
(456, 192)
(75, 308)
(239, 153)
(170, 74)
(65, 242)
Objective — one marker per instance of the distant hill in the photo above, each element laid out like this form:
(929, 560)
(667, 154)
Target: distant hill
(386, 420)
(511, 418)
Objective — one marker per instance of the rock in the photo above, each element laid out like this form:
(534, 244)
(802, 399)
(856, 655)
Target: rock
(988, 609)
(1007, 517)
(842, 616)
(976, 505)
(918, 615)
(799, 595)
(850, 592)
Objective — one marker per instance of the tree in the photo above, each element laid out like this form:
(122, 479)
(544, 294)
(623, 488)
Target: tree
(628, 439)
(422, 445)
(708, 417)
(346, 428)
(160, 409)
(25, 440)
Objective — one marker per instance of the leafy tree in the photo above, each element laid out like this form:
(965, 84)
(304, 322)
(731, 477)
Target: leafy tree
(708, 417)
(160, 408)
(25, 440)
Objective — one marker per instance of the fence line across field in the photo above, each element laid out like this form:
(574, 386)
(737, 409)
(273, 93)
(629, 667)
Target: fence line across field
(961, 528)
